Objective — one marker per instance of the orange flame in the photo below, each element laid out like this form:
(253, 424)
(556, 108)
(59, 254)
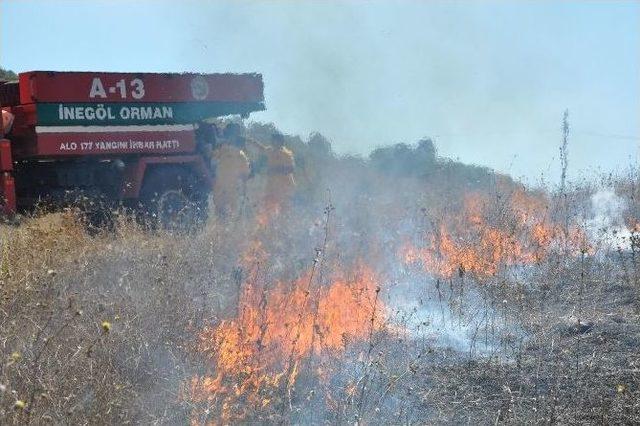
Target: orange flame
(258, 354)
(479, 241)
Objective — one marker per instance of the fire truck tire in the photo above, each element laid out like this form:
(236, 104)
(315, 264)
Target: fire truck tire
(173, 198)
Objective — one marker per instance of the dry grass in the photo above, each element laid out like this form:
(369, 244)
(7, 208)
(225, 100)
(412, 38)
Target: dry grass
(59, 286)
(104, 329)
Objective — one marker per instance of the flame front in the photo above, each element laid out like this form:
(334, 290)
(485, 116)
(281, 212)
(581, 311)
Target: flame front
(479, 241)
(256, 356)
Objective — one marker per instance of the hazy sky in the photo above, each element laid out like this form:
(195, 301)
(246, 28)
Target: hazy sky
(487, 80)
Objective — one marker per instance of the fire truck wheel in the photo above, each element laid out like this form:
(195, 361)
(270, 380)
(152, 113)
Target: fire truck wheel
(173, 199)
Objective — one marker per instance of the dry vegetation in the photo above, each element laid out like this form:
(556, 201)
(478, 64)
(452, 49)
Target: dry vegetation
(399, 289)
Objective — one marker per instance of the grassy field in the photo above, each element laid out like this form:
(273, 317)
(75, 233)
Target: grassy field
(430, 293)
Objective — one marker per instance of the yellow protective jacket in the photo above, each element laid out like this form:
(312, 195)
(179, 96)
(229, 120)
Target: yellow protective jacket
(231, 172)
(280, 182)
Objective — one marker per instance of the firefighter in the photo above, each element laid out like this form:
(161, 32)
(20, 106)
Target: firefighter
(232, 171)
(7, 122)
(279, 165)
(280, 182)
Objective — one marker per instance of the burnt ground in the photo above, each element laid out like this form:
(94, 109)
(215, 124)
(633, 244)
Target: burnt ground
(577, 362)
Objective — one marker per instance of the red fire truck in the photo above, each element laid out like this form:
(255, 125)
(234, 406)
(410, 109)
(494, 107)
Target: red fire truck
(139, 140)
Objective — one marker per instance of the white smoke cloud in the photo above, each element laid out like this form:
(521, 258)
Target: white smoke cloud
(605, 226)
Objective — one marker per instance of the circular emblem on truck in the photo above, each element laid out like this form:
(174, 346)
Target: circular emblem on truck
(199, 88)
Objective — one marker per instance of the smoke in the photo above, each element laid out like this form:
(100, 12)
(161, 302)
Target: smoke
(606, 225)
(423, 307)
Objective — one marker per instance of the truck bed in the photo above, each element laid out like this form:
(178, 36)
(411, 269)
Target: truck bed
(96, 113)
